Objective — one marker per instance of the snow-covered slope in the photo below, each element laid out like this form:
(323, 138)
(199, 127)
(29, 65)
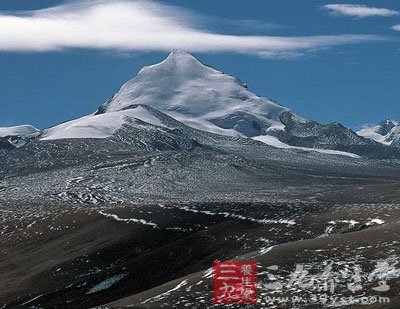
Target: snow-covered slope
(275, 142)
(386, 132)
(99, 126)
(24, 130)
(17, 136)
(199, 96)
(394, 136)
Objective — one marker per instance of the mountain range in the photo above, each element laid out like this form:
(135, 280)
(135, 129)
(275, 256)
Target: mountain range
(206, 99)
(129, 206)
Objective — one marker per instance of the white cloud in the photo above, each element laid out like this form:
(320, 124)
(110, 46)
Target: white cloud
(396, 27)
(142, 26)
(360, 11)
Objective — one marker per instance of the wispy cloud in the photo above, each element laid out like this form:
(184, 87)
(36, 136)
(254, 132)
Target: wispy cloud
(360, 11)
(142, 26)
(396, 27)
(238, 26)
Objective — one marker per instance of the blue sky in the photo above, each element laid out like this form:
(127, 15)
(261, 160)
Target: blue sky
(328, 63)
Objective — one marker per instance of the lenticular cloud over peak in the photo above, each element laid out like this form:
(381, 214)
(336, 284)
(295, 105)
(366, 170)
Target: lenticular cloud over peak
(142, 26)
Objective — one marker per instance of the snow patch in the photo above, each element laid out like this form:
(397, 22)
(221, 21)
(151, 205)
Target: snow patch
(235, 216)
(375, 221)
(265, 250)
(106, 284)
(349, 222)
(275, 142)
(128, 220)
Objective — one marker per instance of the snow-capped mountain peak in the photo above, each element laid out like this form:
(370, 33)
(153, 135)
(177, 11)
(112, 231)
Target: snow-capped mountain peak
(181, 88)
(199, 96)
(181, 63)
(386, 126)
(385, 132)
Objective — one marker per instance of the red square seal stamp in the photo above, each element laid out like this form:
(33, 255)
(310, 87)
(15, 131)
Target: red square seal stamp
(235, 282)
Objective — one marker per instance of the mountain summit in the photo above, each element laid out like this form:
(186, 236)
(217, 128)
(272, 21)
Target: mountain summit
(199, 96)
